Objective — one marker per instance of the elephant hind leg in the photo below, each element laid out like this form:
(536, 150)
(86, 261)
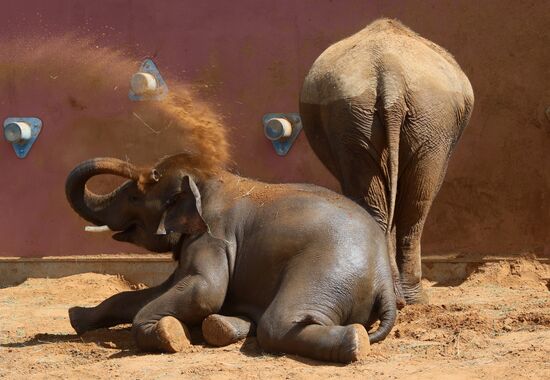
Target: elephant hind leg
(303, 320)
(418, 186)
(343, 344)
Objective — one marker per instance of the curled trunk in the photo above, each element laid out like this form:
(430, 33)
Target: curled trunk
(88, 205)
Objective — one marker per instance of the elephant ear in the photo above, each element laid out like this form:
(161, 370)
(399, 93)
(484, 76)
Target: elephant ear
(184, 212)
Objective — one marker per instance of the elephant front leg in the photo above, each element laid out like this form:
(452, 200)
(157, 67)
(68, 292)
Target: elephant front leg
(198, 290)
(161, 324)
(115, 310)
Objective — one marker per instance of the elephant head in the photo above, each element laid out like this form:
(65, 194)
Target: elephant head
(155, 208)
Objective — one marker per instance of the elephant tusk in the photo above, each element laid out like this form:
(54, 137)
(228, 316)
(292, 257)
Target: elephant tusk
(97, 228)
(161, 230)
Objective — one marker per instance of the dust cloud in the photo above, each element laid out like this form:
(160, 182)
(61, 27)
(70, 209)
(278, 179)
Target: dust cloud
(80, 90)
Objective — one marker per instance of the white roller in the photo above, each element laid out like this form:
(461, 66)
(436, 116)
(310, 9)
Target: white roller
(143, 83)
(277, 128)
(17, 131)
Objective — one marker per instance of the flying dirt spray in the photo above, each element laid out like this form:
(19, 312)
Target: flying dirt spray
(79, 90)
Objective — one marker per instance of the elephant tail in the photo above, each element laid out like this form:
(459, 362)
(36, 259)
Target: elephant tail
(392, 131)
(387, 313)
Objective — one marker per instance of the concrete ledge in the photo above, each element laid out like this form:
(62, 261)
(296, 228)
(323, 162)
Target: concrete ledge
(152, 269)
(146, 269)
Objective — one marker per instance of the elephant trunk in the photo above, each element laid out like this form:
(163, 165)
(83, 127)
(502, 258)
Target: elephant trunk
(88, 205)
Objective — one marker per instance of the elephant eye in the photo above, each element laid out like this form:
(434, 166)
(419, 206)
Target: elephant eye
(173, 198)
(134, 198)
(155, 175)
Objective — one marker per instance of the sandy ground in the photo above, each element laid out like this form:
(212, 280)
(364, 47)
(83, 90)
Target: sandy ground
(495, 324)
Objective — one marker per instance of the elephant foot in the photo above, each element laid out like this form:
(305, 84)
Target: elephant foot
(359, 344)
(415, 294)
(219, 330)
(172, 335)
(421, 298)
(79, 318)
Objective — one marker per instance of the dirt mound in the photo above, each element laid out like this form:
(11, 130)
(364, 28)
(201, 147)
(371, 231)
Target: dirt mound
(445, 325)
(453, 318)
(515, 274)
(498, 298)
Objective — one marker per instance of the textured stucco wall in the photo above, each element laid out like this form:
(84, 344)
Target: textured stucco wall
(249, 58)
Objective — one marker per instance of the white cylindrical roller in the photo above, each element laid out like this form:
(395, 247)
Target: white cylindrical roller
(277, 128)
(17, 131)
(143, 83)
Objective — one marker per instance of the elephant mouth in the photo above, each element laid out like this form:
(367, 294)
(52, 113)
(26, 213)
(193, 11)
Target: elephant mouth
(124, 233)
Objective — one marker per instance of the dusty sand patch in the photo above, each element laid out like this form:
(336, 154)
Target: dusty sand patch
(494, 325)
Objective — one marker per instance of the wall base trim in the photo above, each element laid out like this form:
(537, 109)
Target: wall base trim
(152, 269)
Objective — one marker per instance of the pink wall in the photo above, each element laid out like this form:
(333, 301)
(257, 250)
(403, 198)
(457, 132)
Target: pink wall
(249, 58)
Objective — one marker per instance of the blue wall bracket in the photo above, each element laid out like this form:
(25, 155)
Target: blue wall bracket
(147, 83)
(21, 133)
(282, 129)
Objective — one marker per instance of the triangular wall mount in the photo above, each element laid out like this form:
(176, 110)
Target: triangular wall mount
(282, 146)
(22, 148)
(149, 67)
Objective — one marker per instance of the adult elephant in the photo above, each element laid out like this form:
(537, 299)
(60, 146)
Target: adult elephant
(383, 110)
(307, 265)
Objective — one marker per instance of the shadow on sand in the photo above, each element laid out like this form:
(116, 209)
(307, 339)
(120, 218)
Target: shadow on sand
(121, 340)
(115, 339)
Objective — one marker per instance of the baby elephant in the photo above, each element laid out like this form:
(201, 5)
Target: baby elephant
(309, 267)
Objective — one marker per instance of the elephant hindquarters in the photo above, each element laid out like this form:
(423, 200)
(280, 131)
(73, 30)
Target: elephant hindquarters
(319, 310)
(350, 138)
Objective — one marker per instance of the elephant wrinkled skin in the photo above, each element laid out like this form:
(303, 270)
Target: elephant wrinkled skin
(308, 266)
(383, 110)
